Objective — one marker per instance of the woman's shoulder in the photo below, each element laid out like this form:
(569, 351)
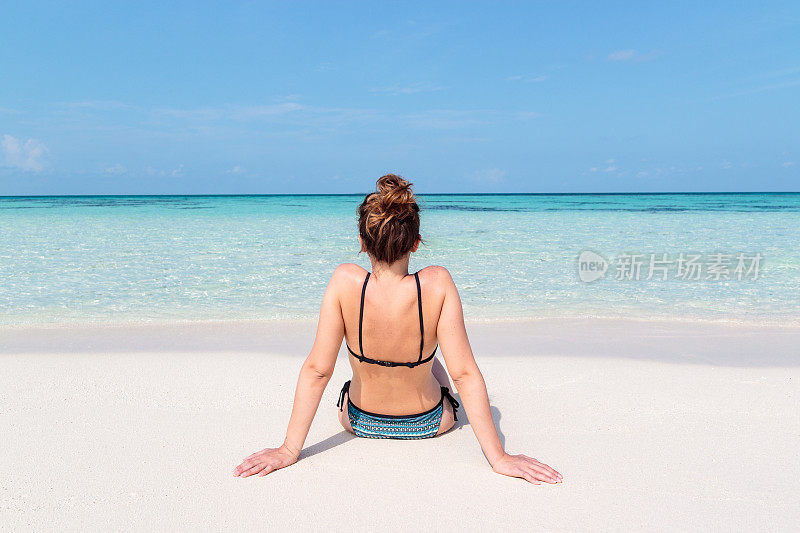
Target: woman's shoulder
(348, 273)
(436, 276)
(433, 276)
(345, 277)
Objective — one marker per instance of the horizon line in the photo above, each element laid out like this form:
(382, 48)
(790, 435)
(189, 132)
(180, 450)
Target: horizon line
(417, 194)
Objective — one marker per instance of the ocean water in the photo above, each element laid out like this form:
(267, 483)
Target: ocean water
(163, 258)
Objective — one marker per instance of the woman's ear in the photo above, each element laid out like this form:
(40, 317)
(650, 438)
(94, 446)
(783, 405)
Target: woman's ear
(361, 243)
(416, 243)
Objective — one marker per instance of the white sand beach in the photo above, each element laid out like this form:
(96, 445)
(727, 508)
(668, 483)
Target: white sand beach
(657, 426)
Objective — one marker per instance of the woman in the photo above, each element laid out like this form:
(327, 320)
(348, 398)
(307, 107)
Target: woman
(395, 319)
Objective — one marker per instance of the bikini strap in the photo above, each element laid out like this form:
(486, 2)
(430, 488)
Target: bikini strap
(345, 390)
(361, 316)
(453, 402)
(421, 324)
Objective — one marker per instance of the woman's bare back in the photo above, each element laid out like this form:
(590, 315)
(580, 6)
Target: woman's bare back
(391, 332)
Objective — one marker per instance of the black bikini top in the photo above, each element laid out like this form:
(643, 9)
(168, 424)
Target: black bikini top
(365, 359)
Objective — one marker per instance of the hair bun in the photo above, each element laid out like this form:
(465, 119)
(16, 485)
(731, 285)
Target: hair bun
(388, 219)
(394, 194)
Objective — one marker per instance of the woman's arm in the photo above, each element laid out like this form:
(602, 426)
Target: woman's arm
(471, 387)
(314, 377)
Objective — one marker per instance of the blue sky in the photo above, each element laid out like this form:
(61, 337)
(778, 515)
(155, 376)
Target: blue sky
(291, 97)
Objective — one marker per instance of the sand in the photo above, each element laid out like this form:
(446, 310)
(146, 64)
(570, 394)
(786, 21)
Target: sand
(664, 426)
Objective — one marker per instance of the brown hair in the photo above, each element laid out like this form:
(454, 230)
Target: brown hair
(388, 219)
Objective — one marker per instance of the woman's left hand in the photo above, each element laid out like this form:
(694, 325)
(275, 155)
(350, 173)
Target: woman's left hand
(266, 461)
(527, 468)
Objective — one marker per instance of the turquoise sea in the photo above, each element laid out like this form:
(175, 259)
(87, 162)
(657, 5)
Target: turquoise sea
(514, 256)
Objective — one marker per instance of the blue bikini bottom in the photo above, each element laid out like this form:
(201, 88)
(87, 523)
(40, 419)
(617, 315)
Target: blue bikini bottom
(377, 426)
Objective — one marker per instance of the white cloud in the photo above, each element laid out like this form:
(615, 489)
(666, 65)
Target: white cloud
(115, 169)
(610, 166)
(726, 165)
(230, 112)
(528, 79)
(271, 109)
(99, 105)
(780, 79)
(440, 119)
(307, 122)
(175, 172)
(26, 156)
(783, 85)
(463, 139)
(524, 115)
(787, 164)
(235, 170)
(648, 171)
(492, 176)
(630, 55)
(413, 88)
(622, 55)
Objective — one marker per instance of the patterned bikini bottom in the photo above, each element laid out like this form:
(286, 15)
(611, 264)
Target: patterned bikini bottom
(377, 426)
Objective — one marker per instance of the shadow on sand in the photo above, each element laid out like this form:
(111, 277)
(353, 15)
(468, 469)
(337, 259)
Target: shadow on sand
(326, 444)
(463, 421)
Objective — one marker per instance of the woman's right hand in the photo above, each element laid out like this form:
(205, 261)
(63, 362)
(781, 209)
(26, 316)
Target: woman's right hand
(266, 461)
(527, 468)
